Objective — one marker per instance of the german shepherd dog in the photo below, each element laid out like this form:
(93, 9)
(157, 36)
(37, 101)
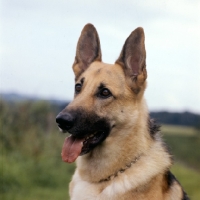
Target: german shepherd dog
(117, 147)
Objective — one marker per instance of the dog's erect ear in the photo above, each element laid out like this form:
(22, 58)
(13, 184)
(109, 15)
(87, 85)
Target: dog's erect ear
(133, 59)
(88, 49)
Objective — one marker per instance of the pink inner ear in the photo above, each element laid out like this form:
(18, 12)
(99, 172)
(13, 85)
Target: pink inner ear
(133, 63)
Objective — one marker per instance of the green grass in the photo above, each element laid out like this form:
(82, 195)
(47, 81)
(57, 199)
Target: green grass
(185, 148)
(178, 130)
(189, 179)
(23, 177)
(29, 180)
(184, 144)
(37, 193)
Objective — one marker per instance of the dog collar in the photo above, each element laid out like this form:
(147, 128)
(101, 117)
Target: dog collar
(112, 176)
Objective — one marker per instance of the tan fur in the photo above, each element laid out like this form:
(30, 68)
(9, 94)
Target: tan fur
(128, 115)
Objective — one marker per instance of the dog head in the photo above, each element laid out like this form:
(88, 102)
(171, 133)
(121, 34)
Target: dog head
(104, 93)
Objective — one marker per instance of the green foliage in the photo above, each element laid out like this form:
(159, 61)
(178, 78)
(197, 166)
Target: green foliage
(184, 143)
(184, 147)
(189, 179)
(25, 119)
(179, 130)
(23, 176)
(31, 165)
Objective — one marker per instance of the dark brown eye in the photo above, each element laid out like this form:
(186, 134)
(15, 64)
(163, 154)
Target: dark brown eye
(105, 93)
(78, 87)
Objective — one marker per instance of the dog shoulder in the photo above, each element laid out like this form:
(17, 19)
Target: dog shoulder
(175, 190)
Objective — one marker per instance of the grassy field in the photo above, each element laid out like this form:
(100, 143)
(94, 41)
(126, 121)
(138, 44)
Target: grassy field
(24, 177)
(179, 130)
(30, 163)
(184, 144)
(189, 179)
(185, 147)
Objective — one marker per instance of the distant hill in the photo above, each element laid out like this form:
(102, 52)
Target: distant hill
(162, 117)
(16, 97)
(175, 118)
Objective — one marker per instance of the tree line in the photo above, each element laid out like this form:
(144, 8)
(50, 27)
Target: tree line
(175, 118)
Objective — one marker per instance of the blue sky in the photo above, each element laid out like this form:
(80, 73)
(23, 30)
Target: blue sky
(39, 37)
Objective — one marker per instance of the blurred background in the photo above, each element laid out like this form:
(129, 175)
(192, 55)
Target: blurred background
(38, 42)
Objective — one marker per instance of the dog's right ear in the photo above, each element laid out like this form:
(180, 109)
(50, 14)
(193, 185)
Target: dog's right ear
(88, 50)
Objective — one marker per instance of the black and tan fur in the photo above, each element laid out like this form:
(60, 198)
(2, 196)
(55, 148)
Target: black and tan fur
(129, 161)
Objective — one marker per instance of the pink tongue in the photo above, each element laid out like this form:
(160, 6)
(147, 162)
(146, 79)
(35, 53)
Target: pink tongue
(71, 149)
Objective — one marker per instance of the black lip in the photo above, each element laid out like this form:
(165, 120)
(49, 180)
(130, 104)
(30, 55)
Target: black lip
(90, 144)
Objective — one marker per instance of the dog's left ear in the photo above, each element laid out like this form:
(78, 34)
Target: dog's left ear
(88, 49)
(133, 59)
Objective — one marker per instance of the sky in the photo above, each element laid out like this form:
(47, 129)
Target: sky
(38, 41)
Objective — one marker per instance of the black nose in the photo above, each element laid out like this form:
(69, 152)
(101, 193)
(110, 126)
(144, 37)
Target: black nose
(65, 121)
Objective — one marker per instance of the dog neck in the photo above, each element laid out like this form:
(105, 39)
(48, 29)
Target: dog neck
(106, 160)
(112, 176)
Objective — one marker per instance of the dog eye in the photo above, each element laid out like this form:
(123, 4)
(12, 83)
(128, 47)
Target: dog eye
(105, 93)
(78, 87)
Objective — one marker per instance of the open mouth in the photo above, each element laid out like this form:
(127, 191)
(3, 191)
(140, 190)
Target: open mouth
(87, 130)
(91, 141)
(75, 146)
